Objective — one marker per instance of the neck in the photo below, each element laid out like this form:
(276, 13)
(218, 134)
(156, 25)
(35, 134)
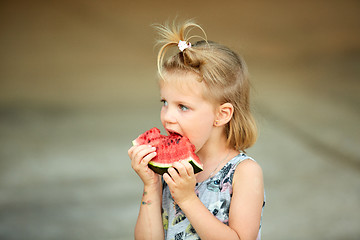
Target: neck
(215, 147)
(214, 155)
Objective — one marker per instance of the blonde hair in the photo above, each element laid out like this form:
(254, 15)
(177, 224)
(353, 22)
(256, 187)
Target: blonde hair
(224, 73)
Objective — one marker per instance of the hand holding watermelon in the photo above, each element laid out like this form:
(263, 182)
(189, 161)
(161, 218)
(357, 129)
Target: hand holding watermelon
(181, 181)
(140, 156)
(169, 149)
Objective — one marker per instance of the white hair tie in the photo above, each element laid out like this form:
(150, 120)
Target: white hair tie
(183, 45)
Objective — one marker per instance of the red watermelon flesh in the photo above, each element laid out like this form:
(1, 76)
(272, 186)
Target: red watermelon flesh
(169, 149)
(147, 137)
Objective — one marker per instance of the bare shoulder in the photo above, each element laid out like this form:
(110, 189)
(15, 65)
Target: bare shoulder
(247, 172)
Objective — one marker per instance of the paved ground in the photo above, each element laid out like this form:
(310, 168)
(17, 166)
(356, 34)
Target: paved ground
(77, 84)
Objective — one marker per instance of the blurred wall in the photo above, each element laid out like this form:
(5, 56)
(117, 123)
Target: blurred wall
(97, 52)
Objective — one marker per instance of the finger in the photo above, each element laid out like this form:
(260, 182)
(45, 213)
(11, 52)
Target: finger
(140, 152)
(131, 150)
(134, 147)
(169, 181)
(173, 173)
(148, 158)
(179, 166)
(189, 168)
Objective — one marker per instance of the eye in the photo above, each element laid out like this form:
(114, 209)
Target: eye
(165, 103)
(183, 108)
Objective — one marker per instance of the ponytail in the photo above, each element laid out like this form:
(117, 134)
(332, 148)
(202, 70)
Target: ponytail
(172, 36)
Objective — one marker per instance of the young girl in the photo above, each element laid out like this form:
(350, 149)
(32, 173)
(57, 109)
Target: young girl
(204, 88)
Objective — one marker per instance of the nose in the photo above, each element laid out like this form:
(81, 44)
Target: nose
(168, 115)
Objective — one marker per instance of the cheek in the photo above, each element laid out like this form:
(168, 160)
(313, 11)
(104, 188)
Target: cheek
(201, 132)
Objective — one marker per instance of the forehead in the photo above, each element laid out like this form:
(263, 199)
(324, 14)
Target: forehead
(184, 82)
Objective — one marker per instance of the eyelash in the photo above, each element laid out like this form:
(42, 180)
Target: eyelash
(183, 108)
(164, 102)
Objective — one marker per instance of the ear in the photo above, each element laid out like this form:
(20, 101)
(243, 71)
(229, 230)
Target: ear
(224, 114)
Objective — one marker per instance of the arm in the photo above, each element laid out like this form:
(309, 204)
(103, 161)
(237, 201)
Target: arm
(245, 208)
(247, 200)
(149, 223)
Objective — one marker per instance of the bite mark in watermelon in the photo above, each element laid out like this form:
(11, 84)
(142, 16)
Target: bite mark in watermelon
(169, 149)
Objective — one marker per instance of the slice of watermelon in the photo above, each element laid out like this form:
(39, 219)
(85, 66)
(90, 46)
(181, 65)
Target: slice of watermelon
(169, 149)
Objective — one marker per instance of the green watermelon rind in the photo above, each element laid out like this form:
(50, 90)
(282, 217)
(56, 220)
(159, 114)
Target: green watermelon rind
(161, 168)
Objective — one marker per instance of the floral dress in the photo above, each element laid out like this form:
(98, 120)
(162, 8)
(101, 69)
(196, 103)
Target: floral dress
(215, 193)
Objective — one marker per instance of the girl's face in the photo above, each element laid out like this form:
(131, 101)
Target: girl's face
(184, 109)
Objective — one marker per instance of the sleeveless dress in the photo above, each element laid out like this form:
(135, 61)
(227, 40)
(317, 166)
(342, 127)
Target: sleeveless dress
(215, 193)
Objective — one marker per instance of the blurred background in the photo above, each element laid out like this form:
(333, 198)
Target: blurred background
(78, 83)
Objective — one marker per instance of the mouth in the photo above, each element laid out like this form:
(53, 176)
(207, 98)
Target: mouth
(171, 132)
